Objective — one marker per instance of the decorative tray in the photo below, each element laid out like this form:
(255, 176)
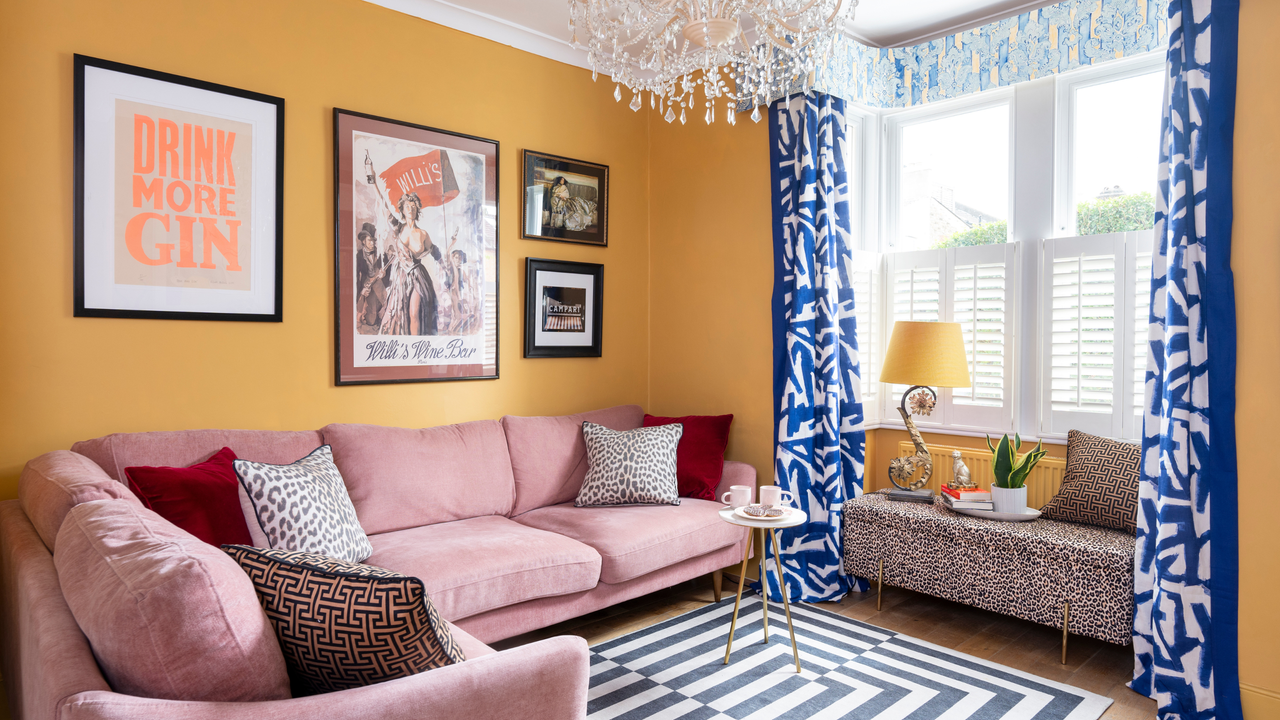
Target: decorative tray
(1025, 515)
(774, 513)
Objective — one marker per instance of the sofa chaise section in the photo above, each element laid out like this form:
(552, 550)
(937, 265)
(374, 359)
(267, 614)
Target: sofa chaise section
(50, 671)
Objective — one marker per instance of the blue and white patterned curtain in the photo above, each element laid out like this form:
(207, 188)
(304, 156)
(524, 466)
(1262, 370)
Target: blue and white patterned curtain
(1186, 565)
(819, 442)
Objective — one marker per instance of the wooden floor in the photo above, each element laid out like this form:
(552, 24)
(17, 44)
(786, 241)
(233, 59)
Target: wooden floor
(1093, 665)
(1096, 666)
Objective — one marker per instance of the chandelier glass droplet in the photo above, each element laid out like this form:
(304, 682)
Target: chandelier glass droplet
(741, 51)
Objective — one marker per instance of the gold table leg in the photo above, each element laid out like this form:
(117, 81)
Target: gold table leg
(742, 579)
(786, 604)
(880, 585)
(1066, 618)
(764, 585)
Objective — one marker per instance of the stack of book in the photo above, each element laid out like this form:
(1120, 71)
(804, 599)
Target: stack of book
(968, 499)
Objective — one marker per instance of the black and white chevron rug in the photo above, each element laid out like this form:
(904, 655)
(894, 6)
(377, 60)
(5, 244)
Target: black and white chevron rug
(851, 670)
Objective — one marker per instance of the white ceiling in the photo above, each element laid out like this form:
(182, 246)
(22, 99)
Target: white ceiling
(542, 26)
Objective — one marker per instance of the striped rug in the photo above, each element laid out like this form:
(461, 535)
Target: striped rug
(851, 670)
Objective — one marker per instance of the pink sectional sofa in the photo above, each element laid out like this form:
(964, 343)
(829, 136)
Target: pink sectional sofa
(481, 512)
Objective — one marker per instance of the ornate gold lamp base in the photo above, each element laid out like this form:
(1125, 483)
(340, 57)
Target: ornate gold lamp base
(902, 469)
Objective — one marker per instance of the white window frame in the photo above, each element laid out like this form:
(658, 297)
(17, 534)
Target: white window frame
(893, 124)
(861, 125)
(1041, 209)
(1068, 86)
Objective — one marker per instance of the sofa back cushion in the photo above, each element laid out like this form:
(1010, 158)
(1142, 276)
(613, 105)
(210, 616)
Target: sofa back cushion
(167, 615)
(401, 478)
(181, 448)
(549, 456)
(55, 482)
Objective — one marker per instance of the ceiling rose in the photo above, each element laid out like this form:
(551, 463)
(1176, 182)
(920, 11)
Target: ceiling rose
(676, 50)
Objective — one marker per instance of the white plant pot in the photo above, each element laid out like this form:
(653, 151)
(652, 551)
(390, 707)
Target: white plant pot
(1009, 500)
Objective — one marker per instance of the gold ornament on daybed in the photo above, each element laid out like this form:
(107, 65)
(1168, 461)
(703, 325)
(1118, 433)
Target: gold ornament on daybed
(923, 355)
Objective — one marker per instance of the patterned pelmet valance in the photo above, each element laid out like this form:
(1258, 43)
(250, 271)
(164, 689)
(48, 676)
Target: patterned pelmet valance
(1042, 42)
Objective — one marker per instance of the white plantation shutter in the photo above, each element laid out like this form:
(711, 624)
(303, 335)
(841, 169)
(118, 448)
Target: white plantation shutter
(1084, 308)
(982, 291)
(1138, 248)
(865, 277)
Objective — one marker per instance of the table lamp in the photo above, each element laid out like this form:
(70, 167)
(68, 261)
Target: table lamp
(923, 355)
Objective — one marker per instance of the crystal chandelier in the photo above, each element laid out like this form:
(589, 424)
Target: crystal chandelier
(740, 50)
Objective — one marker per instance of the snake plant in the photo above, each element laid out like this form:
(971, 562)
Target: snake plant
(1011, 471)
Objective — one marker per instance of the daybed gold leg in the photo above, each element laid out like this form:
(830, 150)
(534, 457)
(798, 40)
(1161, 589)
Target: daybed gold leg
(786, 604)
(717, 580)
(1066, 618)
(742, 579)
(764, 585)
(880, 585)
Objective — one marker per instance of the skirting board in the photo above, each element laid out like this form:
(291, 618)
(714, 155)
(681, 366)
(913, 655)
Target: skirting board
(1259, 703)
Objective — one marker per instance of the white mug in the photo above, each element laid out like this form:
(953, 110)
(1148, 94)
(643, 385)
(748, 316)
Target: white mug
(772, 495)
(738, 496)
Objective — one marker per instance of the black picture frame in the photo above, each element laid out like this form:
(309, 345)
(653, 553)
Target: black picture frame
(578, 325)
(95, 295)
(540, 171)
(346, 124)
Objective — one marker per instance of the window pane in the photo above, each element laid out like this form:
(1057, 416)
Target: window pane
(954, 181)
(1115, 152)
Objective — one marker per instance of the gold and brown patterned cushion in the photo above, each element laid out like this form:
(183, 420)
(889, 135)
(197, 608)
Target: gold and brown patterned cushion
(1100, 485)
(343, 625)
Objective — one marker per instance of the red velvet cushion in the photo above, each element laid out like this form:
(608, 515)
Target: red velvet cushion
(700, 455)
(202, 499)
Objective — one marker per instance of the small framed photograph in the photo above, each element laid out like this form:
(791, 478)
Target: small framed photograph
(565, 200)
(562, 308)
(415, 252)
(179, 197)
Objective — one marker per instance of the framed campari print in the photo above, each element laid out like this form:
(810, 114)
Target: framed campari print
(178, 197)
(415, 252)
(563, 308)
(565, 200)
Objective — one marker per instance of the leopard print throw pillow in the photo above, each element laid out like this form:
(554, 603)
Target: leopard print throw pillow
(305, 506)
(1100, 485)
(632, 467)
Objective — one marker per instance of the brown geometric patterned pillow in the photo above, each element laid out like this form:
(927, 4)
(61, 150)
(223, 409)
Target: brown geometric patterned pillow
(1100, 485)
(343, 625)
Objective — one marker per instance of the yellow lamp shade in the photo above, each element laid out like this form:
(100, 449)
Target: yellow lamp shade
(926, 353)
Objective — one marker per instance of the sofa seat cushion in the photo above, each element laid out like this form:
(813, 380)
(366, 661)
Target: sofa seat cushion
(403, 478)
(478, 564)
(636, 540)
(549, 455)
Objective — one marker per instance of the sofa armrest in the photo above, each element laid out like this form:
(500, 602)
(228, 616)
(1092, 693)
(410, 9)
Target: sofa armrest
(545, 680)
(735, 473)
(44, 655)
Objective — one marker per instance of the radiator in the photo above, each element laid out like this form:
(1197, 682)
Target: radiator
(1042, 483)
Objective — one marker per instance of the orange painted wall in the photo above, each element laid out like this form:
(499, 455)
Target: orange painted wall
(63, 379)
(712, 270)
(1256, 264)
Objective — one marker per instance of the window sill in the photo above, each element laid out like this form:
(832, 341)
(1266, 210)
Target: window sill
(966, 432)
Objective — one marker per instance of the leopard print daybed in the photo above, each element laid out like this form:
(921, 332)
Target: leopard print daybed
(1026, 570)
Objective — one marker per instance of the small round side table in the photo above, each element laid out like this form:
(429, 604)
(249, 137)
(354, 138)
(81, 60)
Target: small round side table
(796, 517)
